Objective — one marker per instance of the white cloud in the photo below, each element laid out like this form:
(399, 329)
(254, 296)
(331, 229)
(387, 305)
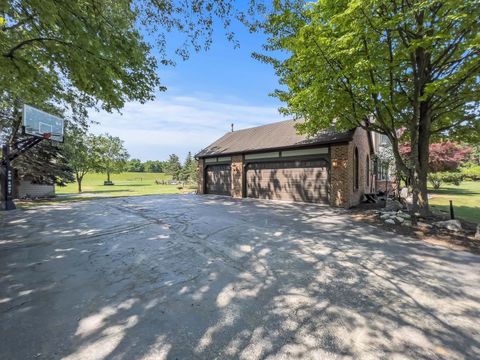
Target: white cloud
(178, 124)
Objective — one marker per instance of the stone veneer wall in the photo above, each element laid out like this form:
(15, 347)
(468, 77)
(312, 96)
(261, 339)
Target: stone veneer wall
(237, 176)
(201, 176)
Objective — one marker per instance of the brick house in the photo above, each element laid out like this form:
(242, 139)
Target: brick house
(274, 162)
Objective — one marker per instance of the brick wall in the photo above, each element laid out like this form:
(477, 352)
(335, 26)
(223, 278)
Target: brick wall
(360, 140)
(382, 185)
(201, 176)
(237, 176)
(343, 193)
(339, 179)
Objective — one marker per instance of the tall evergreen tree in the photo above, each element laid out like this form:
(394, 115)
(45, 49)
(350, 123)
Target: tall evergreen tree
(173, 167)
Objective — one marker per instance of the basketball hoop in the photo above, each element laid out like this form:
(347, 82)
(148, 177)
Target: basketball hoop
(41, 124)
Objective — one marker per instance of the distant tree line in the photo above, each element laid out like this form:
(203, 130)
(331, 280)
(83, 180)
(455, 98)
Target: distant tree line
(180, 172)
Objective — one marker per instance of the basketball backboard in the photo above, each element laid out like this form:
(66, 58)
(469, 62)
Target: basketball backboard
(42, 124)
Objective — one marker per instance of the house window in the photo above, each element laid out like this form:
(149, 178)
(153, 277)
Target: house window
(355, 169)
(368, 170)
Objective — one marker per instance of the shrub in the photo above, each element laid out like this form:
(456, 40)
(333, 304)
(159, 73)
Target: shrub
(472, 173)
(436, 179)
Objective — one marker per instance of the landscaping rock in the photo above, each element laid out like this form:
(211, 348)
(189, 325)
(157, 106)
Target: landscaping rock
(399, 219)
(477, 234)
(390, 222)
(424, 225)
(385, 216)
(453, 225)
(393, 205)
(407, 223)
(404, 193)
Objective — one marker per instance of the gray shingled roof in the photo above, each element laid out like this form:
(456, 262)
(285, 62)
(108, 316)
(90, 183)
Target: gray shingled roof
(268, 137)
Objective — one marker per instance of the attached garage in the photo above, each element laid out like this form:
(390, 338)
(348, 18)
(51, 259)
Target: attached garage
(218, 179)
(303, 180)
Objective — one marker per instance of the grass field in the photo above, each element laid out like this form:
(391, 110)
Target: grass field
(466, 200)
(125, 184)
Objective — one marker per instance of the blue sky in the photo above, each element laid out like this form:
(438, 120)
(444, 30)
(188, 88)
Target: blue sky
(205, 95)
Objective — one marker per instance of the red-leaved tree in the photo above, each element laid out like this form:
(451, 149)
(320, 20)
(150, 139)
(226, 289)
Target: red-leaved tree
(444, 156)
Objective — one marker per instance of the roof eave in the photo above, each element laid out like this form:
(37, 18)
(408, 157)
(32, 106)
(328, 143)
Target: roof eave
(278, 148)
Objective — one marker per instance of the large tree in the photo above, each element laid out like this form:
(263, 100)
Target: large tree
(66, 57)
(382, 65)
(112, 156)
(93, 53)
(80, 151)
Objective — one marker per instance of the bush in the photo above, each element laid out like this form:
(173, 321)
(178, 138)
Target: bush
(472, 173)
(436, 179)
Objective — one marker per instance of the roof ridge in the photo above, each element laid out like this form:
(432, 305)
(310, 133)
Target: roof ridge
(259, 126)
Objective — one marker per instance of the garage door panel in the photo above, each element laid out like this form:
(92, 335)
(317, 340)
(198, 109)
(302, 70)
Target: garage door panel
(289, 181)
(218, 179)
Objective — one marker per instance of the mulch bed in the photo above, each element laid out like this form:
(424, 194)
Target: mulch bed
(424, 231)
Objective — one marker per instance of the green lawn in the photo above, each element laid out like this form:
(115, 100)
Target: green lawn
(466, 200)
(125, 184)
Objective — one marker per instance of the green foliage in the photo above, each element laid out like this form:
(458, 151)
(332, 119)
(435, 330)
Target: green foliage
(173, 167)
(82, 54)
(189, 169)
(436, 179)
(351, 59)
(76, 53)
(111, 155)
(472, 173)
(154, 166)
(44, 164)
(135, 165)
(80, 151)
(385, 65)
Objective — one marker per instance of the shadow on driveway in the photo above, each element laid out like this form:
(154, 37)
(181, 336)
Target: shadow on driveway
(208, 277)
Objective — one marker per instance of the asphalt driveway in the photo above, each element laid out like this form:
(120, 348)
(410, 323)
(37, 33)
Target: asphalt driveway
(205, 277)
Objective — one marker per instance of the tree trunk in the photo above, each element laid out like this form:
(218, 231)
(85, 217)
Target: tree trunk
(423, 156)
(79, 183)
(108, 176)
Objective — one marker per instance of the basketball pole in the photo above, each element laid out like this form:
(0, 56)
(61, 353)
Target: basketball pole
(7, 186)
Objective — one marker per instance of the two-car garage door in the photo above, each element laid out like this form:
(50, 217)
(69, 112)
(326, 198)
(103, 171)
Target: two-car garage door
(304, 181)
(301, 180)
